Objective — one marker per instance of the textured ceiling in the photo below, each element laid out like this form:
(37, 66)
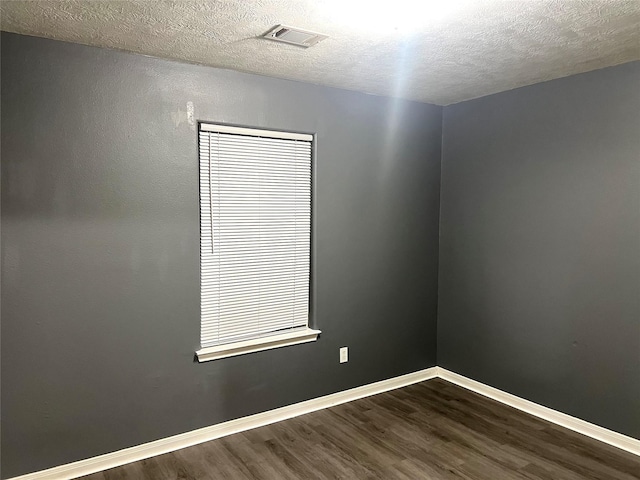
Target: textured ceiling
(443, 51)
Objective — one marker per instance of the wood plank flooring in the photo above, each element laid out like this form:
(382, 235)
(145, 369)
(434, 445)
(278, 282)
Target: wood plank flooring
(432, 430)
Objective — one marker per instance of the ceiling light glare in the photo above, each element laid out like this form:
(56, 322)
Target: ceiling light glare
(405, 16)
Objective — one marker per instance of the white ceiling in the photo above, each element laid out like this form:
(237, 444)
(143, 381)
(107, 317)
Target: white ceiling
(443, 52)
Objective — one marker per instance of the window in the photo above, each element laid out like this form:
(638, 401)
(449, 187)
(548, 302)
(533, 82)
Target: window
(255, 240)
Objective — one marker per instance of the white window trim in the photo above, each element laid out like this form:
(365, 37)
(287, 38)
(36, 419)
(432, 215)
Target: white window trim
(271, 340)
(293, 337)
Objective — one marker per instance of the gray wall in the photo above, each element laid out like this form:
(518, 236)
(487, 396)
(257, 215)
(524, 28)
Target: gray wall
(100, 295)
(540, 244)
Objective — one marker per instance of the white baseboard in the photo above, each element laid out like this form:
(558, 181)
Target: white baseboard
(183, 440)
(616, 439)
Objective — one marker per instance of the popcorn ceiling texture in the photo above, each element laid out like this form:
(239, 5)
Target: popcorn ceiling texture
(485, 47)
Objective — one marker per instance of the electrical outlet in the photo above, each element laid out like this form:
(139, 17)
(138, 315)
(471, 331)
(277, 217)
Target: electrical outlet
(344, 354)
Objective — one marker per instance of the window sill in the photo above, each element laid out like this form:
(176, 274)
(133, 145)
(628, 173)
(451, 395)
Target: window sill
(257, 344)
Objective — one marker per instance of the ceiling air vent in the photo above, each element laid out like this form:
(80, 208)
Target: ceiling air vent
(294, 36)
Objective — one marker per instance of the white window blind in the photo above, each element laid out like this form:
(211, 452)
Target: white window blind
(255, 232)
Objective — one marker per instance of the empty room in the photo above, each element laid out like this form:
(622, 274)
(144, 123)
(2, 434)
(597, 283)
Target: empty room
(320, 239)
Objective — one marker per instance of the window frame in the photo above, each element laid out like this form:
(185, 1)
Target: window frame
(278, 339)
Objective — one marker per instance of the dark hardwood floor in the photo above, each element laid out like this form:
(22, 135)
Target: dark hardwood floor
(431, 430)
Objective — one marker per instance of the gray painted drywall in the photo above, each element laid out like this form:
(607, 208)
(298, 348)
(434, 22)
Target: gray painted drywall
(539, 287)
(100, 294)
